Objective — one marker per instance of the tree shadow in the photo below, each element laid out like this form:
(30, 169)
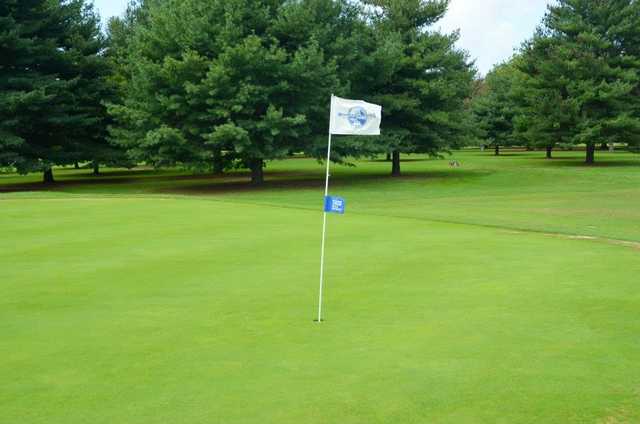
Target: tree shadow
(579, 162)
(407, 160)
(235, 182)
(507, 155)
(576, 159)
(298, 181)
(109, 178)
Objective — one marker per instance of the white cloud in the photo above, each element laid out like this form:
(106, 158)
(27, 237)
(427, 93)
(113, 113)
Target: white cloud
(490, 30)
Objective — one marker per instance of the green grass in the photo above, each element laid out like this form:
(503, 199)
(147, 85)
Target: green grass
(464, 295)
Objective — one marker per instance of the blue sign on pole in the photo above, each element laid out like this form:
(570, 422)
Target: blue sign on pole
(334, 204)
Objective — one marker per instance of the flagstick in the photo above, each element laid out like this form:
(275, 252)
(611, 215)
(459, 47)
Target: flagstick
(324, 230)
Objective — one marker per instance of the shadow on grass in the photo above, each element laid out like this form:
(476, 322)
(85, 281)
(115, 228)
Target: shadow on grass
(239, 181)
(292, 181)
(407, 160)
(108, 178)
(507, 155)
(580, 163)
(577, 159)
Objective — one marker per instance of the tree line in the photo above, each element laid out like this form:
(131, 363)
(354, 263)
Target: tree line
(575, 82)
(214, 85)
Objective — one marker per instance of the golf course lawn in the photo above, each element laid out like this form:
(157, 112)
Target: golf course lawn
(503, 291)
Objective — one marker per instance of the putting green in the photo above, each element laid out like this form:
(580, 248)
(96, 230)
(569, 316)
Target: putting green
(505, 291)
(200, 310)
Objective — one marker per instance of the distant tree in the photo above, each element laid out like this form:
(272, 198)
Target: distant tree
(473, 134)
(546, 116)
(583, 67)
(92, 91)
(52, 83)
(419, 77)
(496, 106)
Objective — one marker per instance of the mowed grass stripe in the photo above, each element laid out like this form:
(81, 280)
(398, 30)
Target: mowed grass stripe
(520, 190)
(616, 221)
(151, 310)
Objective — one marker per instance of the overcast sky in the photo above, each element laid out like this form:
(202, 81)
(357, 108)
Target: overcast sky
(489, 29)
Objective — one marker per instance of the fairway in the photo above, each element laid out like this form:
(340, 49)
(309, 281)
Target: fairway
(505, 291)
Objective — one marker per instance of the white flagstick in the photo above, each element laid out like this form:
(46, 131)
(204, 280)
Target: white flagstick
(362, 118)
(324, 230)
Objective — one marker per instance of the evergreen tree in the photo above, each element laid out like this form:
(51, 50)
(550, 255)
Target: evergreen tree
(418, 76)
(347, 42)
(584, 73)
(496, 107)
(547, 115)
(51, 85)
(227, 83)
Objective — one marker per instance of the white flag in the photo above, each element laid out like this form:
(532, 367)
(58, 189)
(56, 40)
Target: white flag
(354, 117)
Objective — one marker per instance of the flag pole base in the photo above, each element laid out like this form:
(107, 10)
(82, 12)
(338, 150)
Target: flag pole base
(316, 320)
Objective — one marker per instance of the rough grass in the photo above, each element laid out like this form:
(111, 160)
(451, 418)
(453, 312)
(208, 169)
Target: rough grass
(501, 292)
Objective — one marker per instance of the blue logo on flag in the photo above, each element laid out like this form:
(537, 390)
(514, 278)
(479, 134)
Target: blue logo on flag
(334, 204)
(357, 117)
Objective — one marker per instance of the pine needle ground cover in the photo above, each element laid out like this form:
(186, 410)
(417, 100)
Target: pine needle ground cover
(504, 291)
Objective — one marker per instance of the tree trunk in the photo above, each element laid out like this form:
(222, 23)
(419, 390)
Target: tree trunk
(549, 150)
(395, 165)
(591, 153)
(388, 157)
(76, 165)
(96, 168)
(218, 163)
(257, 173)
(604, 147)
(497, 150)
(47, 176)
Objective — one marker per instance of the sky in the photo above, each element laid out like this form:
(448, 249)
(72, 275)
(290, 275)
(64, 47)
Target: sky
(490, 30)
(109, 8)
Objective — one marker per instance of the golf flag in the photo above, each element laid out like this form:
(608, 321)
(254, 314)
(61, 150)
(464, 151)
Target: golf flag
(348, 117)
(334, 204)
(354, 117)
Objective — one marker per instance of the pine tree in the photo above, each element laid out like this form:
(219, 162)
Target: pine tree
(419, 77)
(51, 85)
(584, 67)
(337, 28)
(231, 83)
(547, 115)
(496, 106)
